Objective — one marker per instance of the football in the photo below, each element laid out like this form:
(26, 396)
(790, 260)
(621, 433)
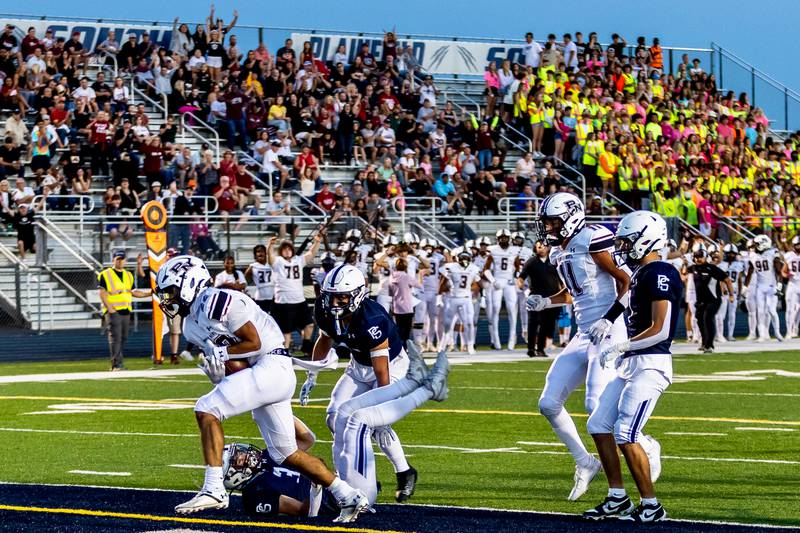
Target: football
(235, 365)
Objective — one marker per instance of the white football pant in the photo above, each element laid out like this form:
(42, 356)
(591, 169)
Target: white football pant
(751, 302)
(767, 305)
(460, 310)
(358, 417)
(727, 310)
(578, 363)
(507, 292)
(792, 308)
(522, 310)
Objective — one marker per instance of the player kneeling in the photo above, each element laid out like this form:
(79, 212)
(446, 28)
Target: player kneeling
(231, 327)
(644, 369)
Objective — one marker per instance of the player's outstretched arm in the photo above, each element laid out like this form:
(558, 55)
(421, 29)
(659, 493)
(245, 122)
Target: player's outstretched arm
(321, 347)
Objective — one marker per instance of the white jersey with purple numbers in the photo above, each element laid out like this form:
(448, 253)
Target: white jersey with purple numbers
(793, 264)
(735, 270)
(504, 265)
(288, 276)
(430, 282)
(593, 290)
(217, 314)
(262, 279)
(461, 278)
(764, 267)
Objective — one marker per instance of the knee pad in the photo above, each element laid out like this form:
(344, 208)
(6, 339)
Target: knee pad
(279, 451)
(596, 426)
(549, 406)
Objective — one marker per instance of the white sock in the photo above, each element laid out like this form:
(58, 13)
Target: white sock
(340, 489)
(617, 493)
(213, 481)
(649, 501)
(568, 434)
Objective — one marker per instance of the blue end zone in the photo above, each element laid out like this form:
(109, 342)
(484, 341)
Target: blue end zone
(158, 508)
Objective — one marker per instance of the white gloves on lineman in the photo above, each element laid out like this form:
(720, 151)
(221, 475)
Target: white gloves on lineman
(308, 386)
(383, 435)
(600, 330)
(614, 353)
(536, 303)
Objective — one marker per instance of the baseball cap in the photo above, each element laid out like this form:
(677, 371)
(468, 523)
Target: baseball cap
(119, 254)
(156, 184)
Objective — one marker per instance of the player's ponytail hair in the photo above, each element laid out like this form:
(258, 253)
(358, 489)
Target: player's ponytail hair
(401, 264)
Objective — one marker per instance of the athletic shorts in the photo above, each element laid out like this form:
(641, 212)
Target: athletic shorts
(265, 305)
(174, 325)
(292, 317)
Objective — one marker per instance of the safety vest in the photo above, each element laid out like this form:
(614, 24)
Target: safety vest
(689, 209)
(582, 130)
(119, 293)
(607, 165)
(533, 111)
(591, 152)
(625, 178)
(657, 89)
(629, 83)
(546, 115)
(643, 183)
(670, 207)
(656, 57)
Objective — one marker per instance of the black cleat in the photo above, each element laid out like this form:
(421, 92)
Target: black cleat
(610, 508)
(646, 513)
(406, 483)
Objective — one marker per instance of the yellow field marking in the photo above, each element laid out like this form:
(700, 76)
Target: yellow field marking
(448, 411)
(185, 520)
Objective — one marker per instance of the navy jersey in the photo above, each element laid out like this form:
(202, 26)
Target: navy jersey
(369, 327)
(260, 496)
(652, 282)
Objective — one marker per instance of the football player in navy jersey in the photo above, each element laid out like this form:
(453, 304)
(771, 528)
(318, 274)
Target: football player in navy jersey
(361, 330)
(644, 369)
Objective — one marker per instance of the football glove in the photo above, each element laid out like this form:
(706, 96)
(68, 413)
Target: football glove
(308, 386)
(214, 369)
(600, 330)
(536, 303)
(383, 436)
(614, 353)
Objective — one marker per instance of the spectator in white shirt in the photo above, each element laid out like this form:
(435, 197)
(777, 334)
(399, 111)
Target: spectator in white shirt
(272, 165)
(278, 210)
(85, 96)
(570, 53)
(531, 51)
(385, 136)
(22, 194)
(427, 91)
(524, 170)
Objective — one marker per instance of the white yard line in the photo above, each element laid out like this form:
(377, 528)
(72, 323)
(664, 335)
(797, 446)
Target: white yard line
(695, 434)
(198, 467)
(763, 429)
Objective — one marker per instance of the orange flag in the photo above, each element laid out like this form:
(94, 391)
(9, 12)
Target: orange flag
(155, 221)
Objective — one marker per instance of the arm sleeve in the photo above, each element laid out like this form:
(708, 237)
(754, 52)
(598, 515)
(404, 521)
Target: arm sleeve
(660, 336)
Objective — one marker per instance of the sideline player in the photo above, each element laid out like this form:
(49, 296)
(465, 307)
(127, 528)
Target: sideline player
(501, 270)
(735, 269)
(596, 288)
(381, 267)
(360, 329)
(461, 277)
(765, 262)
(290, 308)
(524, 253)
(433, 333)
(260, 273)
(791, 270)
(644, 370)
(230, 326)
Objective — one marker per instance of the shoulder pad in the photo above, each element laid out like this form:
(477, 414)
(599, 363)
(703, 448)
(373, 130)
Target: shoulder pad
(218, 305)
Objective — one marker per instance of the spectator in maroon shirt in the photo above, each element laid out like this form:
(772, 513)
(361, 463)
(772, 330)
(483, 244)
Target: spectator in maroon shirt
(153, 154)
(325, 198)
(228, 200)
(235, 102)
(29, 43)
(100, 132)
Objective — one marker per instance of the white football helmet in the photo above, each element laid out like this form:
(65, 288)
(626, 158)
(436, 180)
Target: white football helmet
(328, 261)
(178, 283)
(672, 245)
(390, 240)
(731, 248)
(462, 255)
(484, 241)
(470, 244)
(762, 243)
(518, 236)
(428, 243)
(240, 462)
(410, 238)
(561, 216)
(699, 251)
(353, 235)
(796, 241)
(343, 290)
(640, 233)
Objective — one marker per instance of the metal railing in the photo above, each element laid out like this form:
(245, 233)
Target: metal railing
(80, 200)
(68, 244)
(29, 281)
(504, 205)
(401, 204)
(194, 131)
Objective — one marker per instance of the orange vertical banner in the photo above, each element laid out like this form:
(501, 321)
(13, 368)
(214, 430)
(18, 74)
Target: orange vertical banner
(154, 217)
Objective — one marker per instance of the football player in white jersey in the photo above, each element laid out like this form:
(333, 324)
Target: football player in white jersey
(433, 315)
(501, 270)
(327, 261)
(482, 298)
(235, 333)
(750, 291)
(791, 271)
(524, 253)
(260, 273)
(381, 267)
(735, 270)
(230, 277)
(460, 278)
(290, 308)
(597, 288)
(690, 294)
(362, 249)
(765, 263)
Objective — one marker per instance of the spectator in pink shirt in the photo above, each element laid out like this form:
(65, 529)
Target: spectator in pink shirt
(492, 79)
(705, 215)
(400, 285)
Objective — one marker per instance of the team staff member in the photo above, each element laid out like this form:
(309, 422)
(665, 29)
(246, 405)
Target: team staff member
(707, 278)
(542, 280)
(115, 285)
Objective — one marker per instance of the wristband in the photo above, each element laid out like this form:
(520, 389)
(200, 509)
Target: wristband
(614, 311)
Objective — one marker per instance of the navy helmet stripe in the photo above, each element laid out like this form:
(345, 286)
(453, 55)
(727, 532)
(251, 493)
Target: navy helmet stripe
(219, 306)
(333, 274)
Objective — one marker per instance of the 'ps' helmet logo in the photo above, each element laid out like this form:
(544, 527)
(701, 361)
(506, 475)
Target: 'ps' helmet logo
(572, 207)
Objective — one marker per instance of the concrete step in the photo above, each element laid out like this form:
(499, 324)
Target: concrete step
(57, 309)
(70, 323)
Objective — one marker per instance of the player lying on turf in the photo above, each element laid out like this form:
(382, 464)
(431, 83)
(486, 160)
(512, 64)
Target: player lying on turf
(271, 489)
(360, 330)
(231, 328)
(644, 369)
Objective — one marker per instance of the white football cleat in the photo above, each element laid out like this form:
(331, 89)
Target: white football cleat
(583, 476)
(352, 506)
(512, 342)
(186, 355)
(203, 501)
(471, 349)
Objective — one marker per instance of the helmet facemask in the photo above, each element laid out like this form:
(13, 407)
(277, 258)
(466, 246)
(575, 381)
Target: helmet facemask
(169, 301)
(240, 463)
(551, 230)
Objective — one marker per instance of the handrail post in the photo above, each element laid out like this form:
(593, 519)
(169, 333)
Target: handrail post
(39, 303)
(786, 108)
(753, 84)
(721, 82)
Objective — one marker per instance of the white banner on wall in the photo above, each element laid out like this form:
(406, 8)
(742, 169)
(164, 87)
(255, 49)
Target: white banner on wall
(92, 33)
(437, 57)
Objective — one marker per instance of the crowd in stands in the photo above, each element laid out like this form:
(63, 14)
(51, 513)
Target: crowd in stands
(641, 135)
